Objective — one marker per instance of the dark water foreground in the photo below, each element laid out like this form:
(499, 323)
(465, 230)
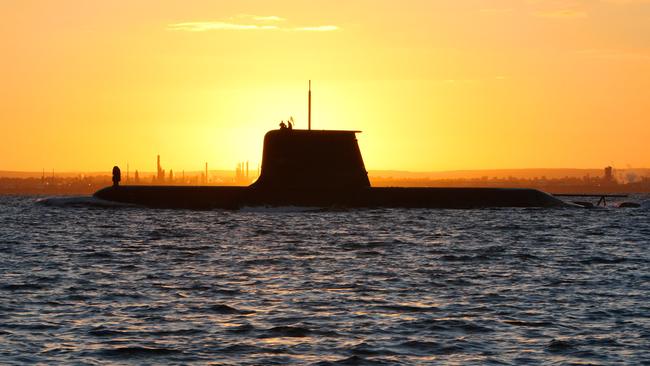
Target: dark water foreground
(88, 284)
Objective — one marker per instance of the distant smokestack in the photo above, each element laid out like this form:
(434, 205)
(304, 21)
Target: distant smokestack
(309, 107)
(158, 168)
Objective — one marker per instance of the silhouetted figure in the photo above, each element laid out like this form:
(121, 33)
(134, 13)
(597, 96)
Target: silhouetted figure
(117, 176)
(290, 126)
(282, 125)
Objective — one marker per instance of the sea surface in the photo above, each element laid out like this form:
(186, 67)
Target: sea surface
(84, 282)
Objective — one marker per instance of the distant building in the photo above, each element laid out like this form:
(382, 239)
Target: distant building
(160, 172)
(609, 176)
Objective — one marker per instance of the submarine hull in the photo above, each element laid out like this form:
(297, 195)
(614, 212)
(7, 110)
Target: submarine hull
(197, 197)
(322, 168)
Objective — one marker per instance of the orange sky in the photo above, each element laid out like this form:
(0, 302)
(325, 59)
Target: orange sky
(434, 84)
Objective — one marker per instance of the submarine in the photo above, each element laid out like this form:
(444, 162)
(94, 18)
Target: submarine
(319, 168)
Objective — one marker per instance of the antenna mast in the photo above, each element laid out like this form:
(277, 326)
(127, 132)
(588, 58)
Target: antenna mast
(309, 109)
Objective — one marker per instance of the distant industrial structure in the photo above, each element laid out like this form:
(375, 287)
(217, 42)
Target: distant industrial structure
(609, 176)
(242, 173)
(241, 176)
(160, 172)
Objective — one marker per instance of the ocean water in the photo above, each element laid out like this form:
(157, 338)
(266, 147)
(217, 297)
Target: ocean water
(87, 282)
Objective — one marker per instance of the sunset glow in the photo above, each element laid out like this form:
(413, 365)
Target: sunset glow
(433, 84)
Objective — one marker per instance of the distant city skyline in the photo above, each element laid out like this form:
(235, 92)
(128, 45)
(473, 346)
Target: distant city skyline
(225, 175)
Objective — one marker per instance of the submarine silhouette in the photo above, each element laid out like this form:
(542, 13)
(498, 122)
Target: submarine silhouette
(320, 168)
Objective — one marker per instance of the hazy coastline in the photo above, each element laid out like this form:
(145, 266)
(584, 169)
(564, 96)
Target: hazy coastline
(548, 180)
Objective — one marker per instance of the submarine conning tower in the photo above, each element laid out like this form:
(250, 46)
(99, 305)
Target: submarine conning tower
(304, 159)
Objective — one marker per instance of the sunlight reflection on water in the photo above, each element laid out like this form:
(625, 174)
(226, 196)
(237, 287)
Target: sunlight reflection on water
(99, 284)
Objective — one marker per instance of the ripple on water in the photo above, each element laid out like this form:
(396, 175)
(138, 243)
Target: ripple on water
(225, 309)
(23, 287)
(285, 331)
(84, 283)
(137, 352)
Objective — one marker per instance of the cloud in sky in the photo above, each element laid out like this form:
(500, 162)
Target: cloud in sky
(562, 14)
(209, 26)
(247, 22)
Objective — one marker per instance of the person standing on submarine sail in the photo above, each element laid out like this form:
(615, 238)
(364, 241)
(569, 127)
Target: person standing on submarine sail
(117, 176)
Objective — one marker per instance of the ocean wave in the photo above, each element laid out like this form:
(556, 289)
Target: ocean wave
(80, 201)
(138, 352)
(280, 209)
(286, 331)
(22, 287)
(248, 288)
(226, 309)
(355, 360)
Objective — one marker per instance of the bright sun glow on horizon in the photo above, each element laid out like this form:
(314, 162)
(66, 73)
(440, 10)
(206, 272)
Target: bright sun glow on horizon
(433, 85)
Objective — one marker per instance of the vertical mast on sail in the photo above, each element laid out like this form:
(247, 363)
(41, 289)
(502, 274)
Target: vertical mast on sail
(309, 108)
